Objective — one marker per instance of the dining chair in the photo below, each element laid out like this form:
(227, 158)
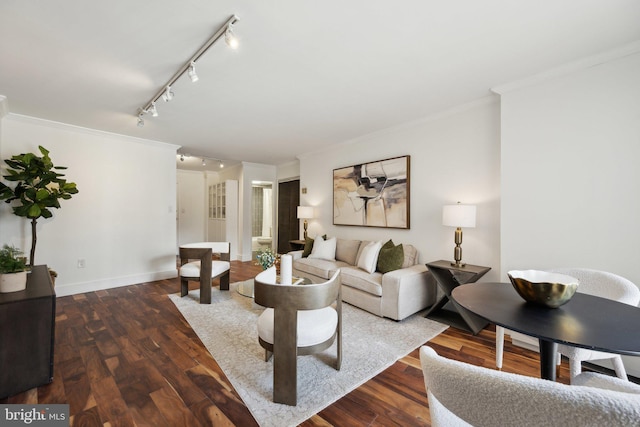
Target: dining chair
(597, 283)
(197, 264)
(299, 320)
(460, 394)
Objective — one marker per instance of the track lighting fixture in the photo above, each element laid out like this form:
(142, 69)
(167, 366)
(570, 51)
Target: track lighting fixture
(182, 156)
(192, 73)
(165, 93)
(230, 38)
(168, 94)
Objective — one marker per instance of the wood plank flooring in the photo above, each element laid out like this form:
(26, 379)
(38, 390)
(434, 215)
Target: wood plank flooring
(127, 357)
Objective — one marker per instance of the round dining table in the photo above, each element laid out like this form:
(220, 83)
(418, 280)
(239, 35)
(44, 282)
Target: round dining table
(585, 321)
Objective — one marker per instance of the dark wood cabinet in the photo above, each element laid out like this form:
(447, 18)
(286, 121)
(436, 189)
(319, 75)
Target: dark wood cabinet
(27, 329)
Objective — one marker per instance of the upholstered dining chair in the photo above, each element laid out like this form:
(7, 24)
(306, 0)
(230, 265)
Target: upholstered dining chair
(592, 282)
(461, 394)
(197, 264)
(299, 320)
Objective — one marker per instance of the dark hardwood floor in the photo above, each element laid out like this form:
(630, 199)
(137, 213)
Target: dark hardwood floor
(126, 357)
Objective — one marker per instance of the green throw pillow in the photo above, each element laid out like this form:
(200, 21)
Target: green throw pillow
(390, 259)
(308, 246)
(387, 245)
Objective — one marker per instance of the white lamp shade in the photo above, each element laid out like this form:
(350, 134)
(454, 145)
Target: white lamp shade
(305, 212)
(459, 215)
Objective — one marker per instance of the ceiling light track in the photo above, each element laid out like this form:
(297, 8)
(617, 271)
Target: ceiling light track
(189, 67)
(205, 159)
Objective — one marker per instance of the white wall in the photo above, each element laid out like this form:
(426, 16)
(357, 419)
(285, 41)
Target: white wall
(192, 204)
(122, 221)
(570, 175)
(454, 157)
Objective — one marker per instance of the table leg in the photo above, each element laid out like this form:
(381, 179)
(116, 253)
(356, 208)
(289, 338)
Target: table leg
(548, 354)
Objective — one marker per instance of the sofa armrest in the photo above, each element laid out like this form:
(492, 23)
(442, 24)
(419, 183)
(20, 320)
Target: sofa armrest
(407, 290)
(296, 254)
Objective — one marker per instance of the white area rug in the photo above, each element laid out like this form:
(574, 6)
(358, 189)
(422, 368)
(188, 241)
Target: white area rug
(371, 344)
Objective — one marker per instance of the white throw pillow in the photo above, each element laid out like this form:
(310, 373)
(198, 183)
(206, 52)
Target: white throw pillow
(369, 257)
(324, 249)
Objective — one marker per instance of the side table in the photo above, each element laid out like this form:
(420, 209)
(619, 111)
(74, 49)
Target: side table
(296, 245)
(448, 278)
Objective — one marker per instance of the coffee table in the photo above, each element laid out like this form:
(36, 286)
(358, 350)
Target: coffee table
(586, 321)
(246, 288)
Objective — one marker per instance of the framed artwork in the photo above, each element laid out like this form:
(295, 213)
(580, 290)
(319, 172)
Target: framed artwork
(374, 194)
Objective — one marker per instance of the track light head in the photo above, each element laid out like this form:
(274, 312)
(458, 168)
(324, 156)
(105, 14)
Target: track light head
(230, 38)
(204, 163)
(221, 165)
(192, 72)
(153, 110)
(168, 94)
(182, 157)
(140, 121)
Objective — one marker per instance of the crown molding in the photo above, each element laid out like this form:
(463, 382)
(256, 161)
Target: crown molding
(571, 67)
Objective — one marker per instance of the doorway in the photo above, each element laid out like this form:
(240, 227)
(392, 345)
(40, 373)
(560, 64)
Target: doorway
(261, 216)
(288, 223)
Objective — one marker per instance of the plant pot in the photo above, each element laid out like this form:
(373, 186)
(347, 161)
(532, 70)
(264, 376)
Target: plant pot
(13, 282)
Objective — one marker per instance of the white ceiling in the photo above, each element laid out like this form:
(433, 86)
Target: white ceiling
(307, 73)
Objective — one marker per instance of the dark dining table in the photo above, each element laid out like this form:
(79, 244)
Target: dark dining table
(586, 321)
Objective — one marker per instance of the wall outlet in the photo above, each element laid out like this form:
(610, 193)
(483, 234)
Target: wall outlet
(81, 263)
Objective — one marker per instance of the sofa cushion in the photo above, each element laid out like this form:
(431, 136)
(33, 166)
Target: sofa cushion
(360, 279)
(347, 250)
(317, 267)
(369, 257)
(324, 249)
(390, 259)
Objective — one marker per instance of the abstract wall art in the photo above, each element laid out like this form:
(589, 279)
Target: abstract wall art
(374, 194)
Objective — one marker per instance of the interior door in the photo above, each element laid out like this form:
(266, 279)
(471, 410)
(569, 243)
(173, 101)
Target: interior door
(288, 223)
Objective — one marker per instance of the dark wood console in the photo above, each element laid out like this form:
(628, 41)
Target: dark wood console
(27, 330)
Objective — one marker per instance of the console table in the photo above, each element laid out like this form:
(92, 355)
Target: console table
(448, 278)
(26, 337)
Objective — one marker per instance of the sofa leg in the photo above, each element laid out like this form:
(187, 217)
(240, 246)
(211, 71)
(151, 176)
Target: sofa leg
(184, 287)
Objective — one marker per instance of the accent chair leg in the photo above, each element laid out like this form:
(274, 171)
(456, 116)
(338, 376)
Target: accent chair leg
(184, 287)
(205, 292)
(224, 282)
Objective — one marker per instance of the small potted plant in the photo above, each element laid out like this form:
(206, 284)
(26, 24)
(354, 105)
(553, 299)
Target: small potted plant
(13, 269)
(266, 258)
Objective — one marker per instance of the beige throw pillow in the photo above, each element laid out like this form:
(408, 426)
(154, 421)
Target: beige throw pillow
(369, 257)
(324, 249)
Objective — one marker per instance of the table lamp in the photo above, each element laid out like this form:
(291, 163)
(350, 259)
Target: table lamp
(458, 216)
(305, 212)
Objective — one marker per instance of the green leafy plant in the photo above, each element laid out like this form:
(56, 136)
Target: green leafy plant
(12, 260)
(266, 258)
(38, 189)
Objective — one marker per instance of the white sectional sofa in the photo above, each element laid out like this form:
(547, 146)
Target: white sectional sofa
(394, 294)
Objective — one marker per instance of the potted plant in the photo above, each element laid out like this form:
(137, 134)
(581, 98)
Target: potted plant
(13, 269)
(38, 189)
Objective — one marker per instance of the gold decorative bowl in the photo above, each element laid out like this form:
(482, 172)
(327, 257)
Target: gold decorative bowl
(544, 288)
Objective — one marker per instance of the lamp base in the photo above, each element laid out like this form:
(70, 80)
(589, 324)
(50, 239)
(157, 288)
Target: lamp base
(458, 264)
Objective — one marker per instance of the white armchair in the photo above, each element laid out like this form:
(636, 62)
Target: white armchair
(466, 395)
(592, 282)
(300, 320)
(197, 264)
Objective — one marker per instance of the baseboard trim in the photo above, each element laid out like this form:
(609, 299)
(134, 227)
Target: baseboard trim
(115, 282)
